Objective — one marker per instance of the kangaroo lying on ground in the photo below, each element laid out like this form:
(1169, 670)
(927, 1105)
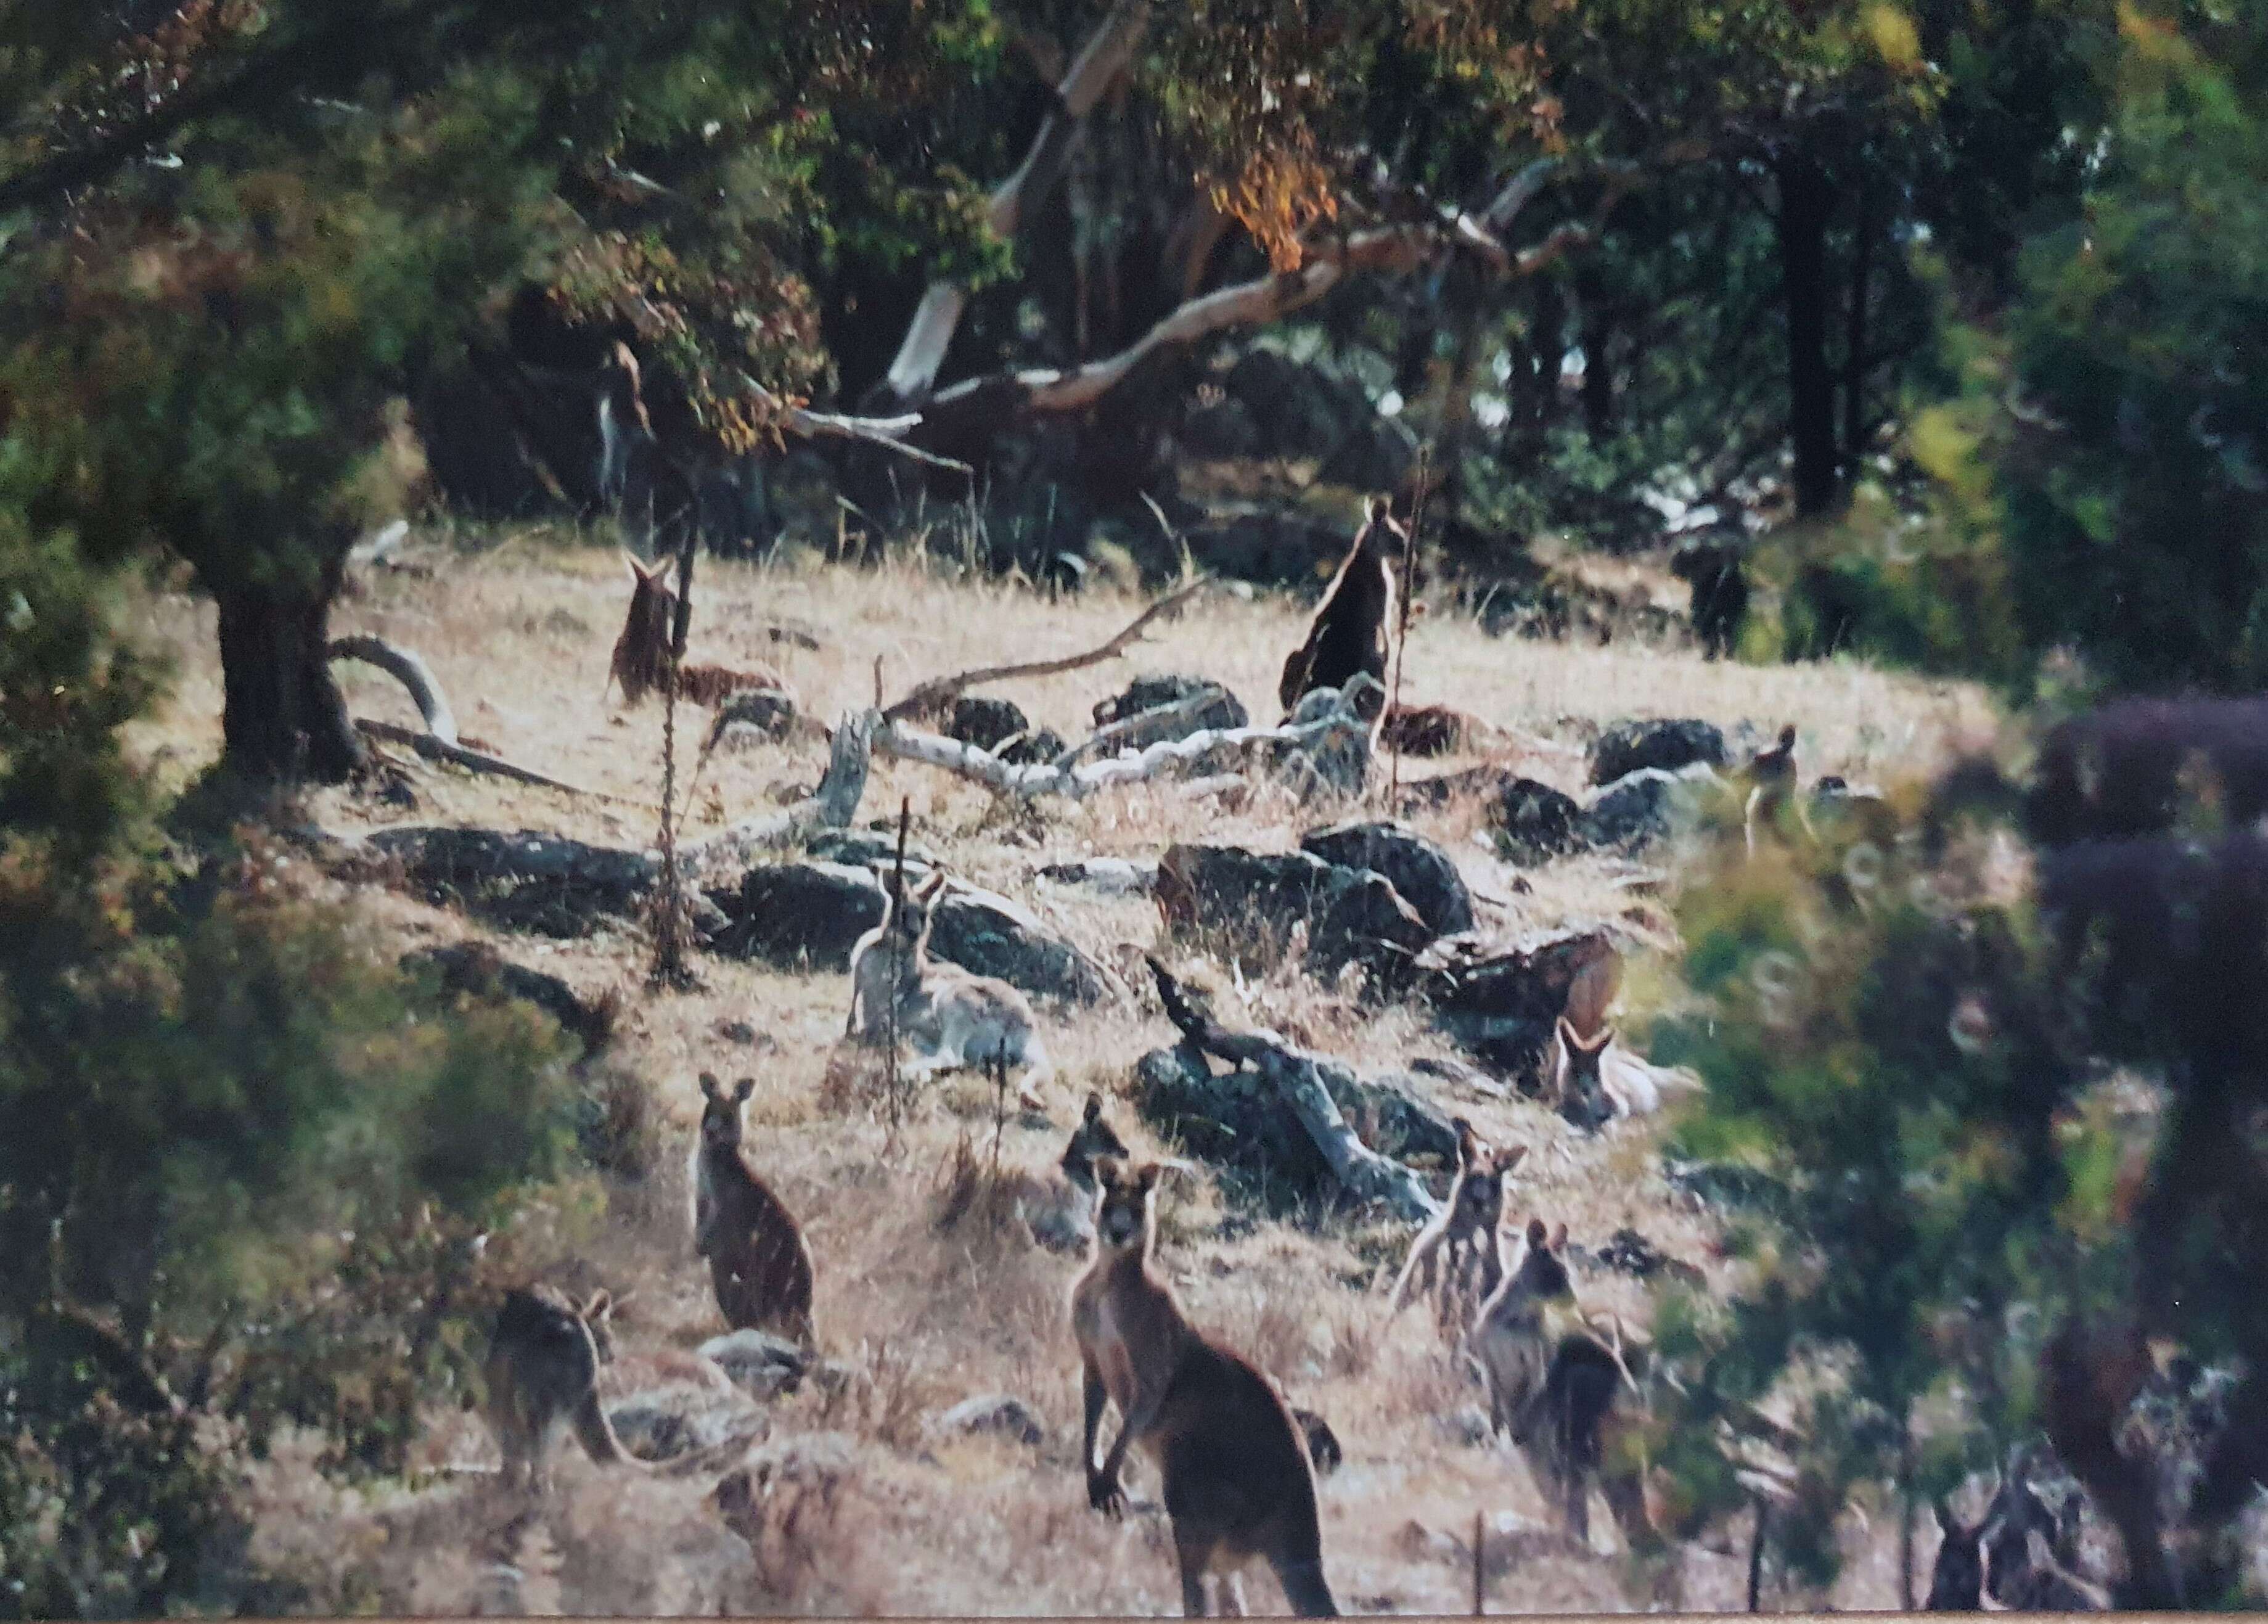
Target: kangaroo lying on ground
(951, 1017)
(1237, 1480)
(757, 1258)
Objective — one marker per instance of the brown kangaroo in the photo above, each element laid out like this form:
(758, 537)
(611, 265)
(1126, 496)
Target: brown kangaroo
(757, 1258)
(1460, 1246)
(543, 1364)
(1236, 1477)
(1556, 1394)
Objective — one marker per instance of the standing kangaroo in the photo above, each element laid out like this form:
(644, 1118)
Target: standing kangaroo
(1555, 1392)
(1460, 1246)
(757, 1258)
(542, 1366)
(1236, 1476)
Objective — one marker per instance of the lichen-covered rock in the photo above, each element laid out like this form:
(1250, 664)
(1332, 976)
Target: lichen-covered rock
(984, 931)
(1538, 822)
(1646, 806)
(1628, 747)
(804, 915)
(995, 1415)
(1500, 999)
(1220, 709)
(758, 1362)
(1368, 923)
(1419, 870)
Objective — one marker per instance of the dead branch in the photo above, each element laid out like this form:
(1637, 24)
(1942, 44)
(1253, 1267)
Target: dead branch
(1296, 1076)
(1105, 56)
(434, 749)
(411, 671)
(1212, 750)
(1143, 728)
(831, 806)
(938, 692)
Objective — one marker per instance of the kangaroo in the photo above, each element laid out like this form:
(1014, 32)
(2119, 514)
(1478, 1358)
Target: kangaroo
(1772, 775)
(951, 1017)
(542, 1366)
(1354, 627)
(757, 1258)
(1237, 1481)
(1059, 1213)
(1461, 1245)
(1554, 1393)
(640, 663)
(1578, 1088)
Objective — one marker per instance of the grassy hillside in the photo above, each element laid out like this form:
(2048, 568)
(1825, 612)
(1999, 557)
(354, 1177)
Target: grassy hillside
(931, 1312)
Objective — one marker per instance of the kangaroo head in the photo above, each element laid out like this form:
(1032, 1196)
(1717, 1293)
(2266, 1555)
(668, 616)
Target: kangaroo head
(1787, 737)
(1957, 1583)
(1124, 1213)
(1482, 1171)
(720, 1117)
(1582, 1093)
(1542, 1275)
(1090, 1141)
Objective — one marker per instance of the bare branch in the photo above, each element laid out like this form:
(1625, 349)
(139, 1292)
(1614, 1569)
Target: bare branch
(411, 671)
(435, 748)
(942, 690)
(1107, 51)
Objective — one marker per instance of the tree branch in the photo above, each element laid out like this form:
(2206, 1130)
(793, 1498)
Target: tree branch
(411, 671)
(939, 691)
(1107, 51)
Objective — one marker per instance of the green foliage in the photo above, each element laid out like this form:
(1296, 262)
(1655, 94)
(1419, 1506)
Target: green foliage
(1882, 1037)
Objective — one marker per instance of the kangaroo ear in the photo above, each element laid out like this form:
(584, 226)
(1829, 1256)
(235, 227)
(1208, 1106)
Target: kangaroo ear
(1094, 1108)
(931, 886)
(1471, 1150)
(1147, 1175)
(637, 570)
(1109, 1172)
(1598, 1045)
(1567, 1034)
(742, 1090)
(709, 1084)
(1509, 1158)
(1536, 1234)
(1559, 1239)
(601, 1305)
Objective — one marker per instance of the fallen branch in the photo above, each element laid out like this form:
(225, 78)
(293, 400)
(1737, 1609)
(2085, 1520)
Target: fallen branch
(1144, 728)
(938, 692)
(435, 748)
(1296, 1074)
(411, 670)
(1210, 751)
(831, 806)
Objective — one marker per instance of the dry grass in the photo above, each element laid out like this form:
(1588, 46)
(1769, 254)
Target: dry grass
(928, 1289)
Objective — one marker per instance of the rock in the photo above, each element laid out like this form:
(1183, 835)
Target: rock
(1397, 1121)
(1368, 923)
(799, 915)
(1251, 900)
(768, 711)
(983, 932)
(1644, 806)
(1729, 1186)
(1063, 1230)
(1539, 823)
(1499, 1000)
(1629, 1252)
(665, 1418)
(522, 880)
(1627, 746)
(871, 847)
(1236, 1122)
(1376, 453)
(475, 970)
(999, 1414)
(1421, 871)
(758, 1362)
(1221, 429)
(987, 723)
(1151, 693)
(1112, 876)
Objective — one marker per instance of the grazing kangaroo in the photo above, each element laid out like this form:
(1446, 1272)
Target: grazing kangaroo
(1555, 1392)
(1237, 1481)
(542, 1367)
(951, 1017)
(640, 662)
(1059, 1213)
(757, 1258)
(1460, 1246)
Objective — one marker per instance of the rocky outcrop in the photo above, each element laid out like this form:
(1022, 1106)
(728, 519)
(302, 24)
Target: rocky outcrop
(1628, 747)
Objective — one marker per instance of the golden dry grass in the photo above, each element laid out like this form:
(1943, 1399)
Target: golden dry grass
(519, 636)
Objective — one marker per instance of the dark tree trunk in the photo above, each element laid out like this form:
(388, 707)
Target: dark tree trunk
(283, 719)
(1598, 372)
(1805, 200)
(1854, 341)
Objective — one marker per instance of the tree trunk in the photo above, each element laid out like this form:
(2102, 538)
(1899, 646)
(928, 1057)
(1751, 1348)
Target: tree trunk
(1805, 200)
(1598, 372)
(283, 717)
(1854, 341)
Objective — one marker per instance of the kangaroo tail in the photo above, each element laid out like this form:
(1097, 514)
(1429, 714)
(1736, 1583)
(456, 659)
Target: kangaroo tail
(1305, 1587)
(597, 1434)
